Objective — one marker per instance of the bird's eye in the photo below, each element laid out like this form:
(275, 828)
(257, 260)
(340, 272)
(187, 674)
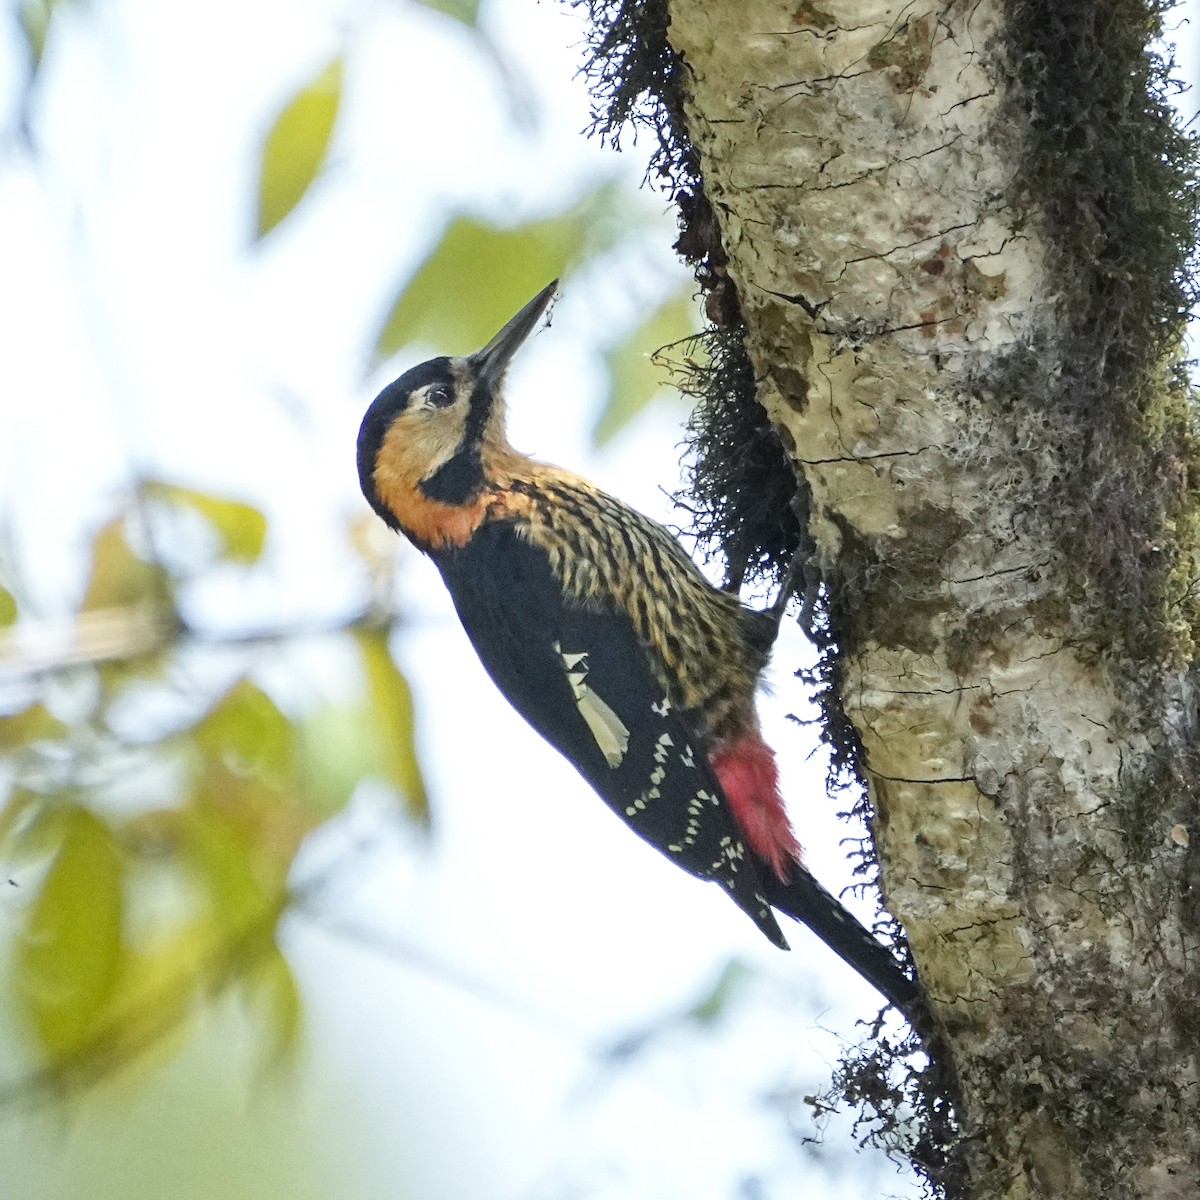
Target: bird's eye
(439, 396)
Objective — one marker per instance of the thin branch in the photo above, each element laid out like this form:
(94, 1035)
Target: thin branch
(123, 634)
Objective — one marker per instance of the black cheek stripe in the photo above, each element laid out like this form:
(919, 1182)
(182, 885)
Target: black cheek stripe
(457, 480)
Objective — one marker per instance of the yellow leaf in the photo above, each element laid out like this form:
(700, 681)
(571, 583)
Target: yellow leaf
(716, 1000)
(391, 703)
(294, 149)
(479, 274)
(156, 992)
(8, 607)
(246, 731)
(119, 578)
(242, 885)
(34, 724)
(635, 377)
(69, 952)
(223, 856)
(241, 527)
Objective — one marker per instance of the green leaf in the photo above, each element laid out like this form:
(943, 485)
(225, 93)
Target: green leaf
(713, 1003)
(391, 704)
(635, 376)
(246, 732)
(273, 985)
(69, 952)
(241, 527)
(466, 11)
(8, 607)
(294, 149)
(340, 744)
(33, 19)
(479, 274)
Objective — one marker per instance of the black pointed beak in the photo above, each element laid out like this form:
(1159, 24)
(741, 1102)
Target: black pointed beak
(492, 361)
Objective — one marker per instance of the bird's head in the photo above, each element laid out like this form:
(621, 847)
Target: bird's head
(428, 432)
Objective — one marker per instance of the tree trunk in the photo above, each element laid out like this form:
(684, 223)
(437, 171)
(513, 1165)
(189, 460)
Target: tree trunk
(959, 308)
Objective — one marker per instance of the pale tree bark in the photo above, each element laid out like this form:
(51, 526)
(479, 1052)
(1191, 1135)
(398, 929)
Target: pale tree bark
(1003, 510)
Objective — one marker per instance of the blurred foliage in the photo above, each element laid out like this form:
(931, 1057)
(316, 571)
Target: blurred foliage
(119, 578)
(639, 366)
(241, 528)
(715, 1002)
(479, 274)
(466, 11)
(155, 854)
(70, 949)
(33, 20)
(390, 707)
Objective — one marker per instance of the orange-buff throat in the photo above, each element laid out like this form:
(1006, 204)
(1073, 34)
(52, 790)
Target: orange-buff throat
(430, 522)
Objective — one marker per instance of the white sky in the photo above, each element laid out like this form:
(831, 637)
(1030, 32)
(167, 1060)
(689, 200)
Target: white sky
(137, 323)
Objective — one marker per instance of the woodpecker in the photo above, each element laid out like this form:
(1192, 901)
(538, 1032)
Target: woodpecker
(603, 634)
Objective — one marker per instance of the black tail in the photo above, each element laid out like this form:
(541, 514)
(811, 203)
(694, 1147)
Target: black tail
(804, 899)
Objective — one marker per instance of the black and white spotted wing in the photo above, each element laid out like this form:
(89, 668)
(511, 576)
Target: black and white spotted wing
(583, 681)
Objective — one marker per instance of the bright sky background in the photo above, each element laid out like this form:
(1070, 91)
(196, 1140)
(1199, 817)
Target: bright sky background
(139, 325)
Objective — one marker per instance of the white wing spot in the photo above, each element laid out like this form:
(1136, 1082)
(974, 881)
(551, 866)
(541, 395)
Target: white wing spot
(606, 727)
(663, 708)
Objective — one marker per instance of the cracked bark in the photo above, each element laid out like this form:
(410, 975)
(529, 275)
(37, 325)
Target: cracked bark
(856, 155)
